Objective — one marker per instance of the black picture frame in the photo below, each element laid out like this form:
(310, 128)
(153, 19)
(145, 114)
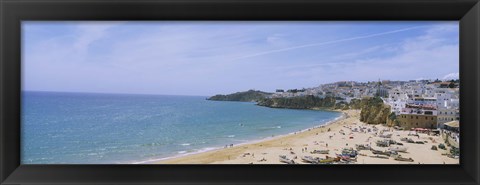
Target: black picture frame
(12, 12)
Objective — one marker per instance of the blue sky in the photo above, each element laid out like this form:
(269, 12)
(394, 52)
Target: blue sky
(208, 58)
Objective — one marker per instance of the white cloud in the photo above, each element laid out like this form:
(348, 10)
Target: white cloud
(278, 40)
(325, 43)
(427, 56)
(451, 76)
(360, 53)
(89, 33)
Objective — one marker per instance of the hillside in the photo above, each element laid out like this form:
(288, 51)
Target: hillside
(299, 102)
(373, 111)
(246, 96)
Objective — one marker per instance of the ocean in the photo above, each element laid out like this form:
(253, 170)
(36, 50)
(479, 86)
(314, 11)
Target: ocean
(90, 128)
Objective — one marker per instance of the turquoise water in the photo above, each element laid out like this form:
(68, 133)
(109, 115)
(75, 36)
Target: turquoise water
(84, 128)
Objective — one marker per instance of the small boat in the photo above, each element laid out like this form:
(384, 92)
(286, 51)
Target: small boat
(335, 159)
(284, 159)
(320, 152)
(347, 158)
(362, 147)
(310, 159)
(400, 158)
(379, 156)
(389, 135)
(413, 134)
(383, 143)
(398, 148)
(391, 141)
(350, 152)
(442, 146)
(328, 160)
(378, 152)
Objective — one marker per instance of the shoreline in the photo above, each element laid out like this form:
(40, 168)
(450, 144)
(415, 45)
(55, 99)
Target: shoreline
(340, 133)
(268, 138)
(167, 160)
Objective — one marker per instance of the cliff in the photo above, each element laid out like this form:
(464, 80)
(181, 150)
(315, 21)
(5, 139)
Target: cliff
(374, 111)
(299, 102)
(247, 96)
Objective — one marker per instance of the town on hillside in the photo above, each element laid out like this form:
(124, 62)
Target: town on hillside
(415, 104)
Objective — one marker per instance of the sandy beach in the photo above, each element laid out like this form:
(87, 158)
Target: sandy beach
(346, 132)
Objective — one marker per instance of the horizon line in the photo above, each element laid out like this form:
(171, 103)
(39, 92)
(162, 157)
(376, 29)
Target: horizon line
(115, 93)
(157, 94)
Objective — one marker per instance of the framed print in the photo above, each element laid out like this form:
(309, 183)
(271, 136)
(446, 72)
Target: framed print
(281, 92)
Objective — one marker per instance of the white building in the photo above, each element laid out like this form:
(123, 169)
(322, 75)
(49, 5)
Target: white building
(397, 100)
(446, 115)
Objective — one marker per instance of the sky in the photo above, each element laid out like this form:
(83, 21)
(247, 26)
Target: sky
(207, 58)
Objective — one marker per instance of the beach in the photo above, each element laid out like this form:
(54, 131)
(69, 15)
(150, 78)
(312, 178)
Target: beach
(346, 132)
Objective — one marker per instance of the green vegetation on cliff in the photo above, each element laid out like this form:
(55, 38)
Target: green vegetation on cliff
(374, 111)
(247, 96)
(356, 104)
(299, 102)
(392, 120)
(342, 106)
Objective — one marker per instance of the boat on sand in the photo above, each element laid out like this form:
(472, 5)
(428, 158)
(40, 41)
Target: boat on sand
(284, 159)
(398, 148)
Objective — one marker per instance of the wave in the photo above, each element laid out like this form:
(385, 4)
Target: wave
(269, 128)
(152, 144)
(180, 154)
